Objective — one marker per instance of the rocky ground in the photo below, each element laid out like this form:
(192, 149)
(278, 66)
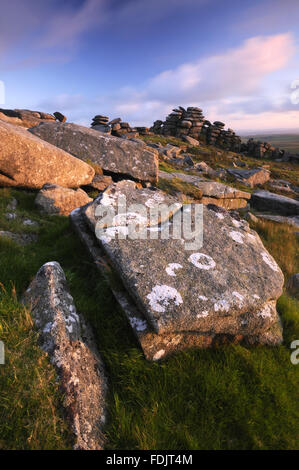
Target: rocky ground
(219, 308)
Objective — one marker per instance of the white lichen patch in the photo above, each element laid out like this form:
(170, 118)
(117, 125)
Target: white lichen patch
(238, 296)
(255, 296)
(171, 268)
(265, 312)
(203, 314)
(203, 297)
(270, 261)
(202, 261)
(107, 200)
(163, 296)
(237, 223)
(155, 200)
(236, 236)
(159, 354)
(139, 325)
(221, 305)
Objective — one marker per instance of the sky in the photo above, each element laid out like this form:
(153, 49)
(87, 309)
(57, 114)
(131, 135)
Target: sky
(138, 59)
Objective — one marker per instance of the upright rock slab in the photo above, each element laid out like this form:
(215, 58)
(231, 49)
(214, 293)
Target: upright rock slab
(29, 162)
(176, 298)
(70, 344)
(113, 154)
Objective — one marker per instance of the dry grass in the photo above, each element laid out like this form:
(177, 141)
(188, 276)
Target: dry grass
(176, 185)
(282, 243)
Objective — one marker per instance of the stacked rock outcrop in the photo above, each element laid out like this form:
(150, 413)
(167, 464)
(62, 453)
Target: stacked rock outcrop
(258, 149)
(115, 127)
(120, 129)
(25, 117)
(60, 117)
(100, 123)
(190, 122)
(143, 130)
(181, 122)
(157, 127)
(215, 134)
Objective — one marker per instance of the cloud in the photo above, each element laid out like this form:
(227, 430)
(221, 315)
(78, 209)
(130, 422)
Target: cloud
(236, 72)
(139, 13)
(64, 101)
(17, 19)
(233, 81)
(233, 86)
(61, 25)
(265, 121)
(267, 16)
(66, 27)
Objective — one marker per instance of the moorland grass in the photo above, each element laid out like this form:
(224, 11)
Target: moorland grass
(231, 397)
(219, 158)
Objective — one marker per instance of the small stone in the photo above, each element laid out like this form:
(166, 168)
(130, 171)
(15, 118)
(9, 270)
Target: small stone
(190, 140)
(188, 161)
(10, 215)
(251, 177)
(101, 182)
(56, 200)
(60, 117)
(30, 223)
(12, 205)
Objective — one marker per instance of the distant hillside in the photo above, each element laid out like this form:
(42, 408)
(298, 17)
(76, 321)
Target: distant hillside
(289, 142)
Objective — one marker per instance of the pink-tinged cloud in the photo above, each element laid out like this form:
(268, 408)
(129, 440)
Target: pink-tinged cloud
(228, 86)
(236, 72)
(223, 81)
(268, 121)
